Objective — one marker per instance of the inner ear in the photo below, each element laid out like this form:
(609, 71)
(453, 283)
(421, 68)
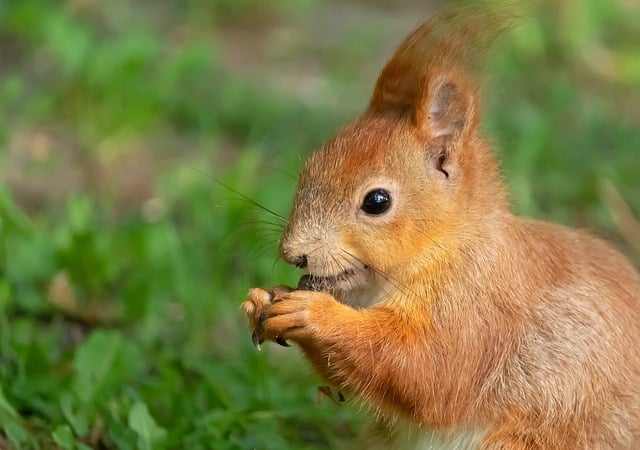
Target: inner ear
(445, 115)
(445, 108)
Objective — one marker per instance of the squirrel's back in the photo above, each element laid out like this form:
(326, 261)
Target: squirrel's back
(575, 355)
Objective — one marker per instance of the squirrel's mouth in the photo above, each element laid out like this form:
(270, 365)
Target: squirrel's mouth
(310, 282)
(342, 276)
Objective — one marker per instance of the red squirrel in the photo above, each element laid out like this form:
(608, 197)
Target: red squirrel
(460, 324)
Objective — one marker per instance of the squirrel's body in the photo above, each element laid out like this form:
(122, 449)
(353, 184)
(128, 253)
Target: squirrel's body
(497, 332)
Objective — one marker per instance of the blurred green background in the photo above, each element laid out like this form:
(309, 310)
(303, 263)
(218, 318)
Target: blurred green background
(123, 262)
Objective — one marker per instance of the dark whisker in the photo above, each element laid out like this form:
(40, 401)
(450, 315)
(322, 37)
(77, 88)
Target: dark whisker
(342, 268)
(275, 261)
(258, 226)
(264, 222)
(260, 250)
(242, 196)
(401, 287)
(236, 235)
(284, 172)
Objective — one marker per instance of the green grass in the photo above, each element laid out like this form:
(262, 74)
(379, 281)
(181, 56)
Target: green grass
(122, 261)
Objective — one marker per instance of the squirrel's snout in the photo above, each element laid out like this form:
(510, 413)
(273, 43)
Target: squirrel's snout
(300, 260)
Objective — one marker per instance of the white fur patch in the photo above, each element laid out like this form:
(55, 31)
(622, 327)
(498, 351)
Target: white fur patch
(407, 437)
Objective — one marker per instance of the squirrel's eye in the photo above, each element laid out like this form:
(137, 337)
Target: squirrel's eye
(376, 201)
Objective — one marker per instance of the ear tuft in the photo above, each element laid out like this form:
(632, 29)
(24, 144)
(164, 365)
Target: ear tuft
(430, 76)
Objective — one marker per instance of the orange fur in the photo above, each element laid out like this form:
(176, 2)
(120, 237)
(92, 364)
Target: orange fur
(449, 312)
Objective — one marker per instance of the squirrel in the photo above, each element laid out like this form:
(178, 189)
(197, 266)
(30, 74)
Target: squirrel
(460, 324)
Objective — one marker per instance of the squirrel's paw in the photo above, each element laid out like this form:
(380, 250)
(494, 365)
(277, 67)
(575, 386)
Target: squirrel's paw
(297, 315)
(256, 309)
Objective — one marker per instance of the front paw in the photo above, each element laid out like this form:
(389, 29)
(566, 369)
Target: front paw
(257, 307)
(299, 316)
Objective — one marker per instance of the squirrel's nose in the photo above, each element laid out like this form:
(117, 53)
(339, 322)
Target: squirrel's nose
(300, 261)
(291, 254)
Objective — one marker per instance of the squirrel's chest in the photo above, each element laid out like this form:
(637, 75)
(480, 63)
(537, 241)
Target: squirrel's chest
(408, 437)
(368, 296)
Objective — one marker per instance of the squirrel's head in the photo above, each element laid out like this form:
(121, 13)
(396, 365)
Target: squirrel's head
(398, 188)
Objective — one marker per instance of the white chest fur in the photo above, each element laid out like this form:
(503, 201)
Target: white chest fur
(407, 437)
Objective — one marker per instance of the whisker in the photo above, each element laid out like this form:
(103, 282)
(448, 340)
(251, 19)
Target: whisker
(284, 172)
(264, 222)
(275, 261)
(342, 267)
(263, 244)
(262, 231)
(235, 236)
(258, 226)
(400, 286)
(242, 196)
(261, 249)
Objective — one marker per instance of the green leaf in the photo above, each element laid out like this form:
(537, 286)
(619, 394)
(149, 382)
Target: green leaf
(123, 437)
(81, 213)
(77, 417)
(12, 218)
(103, 363)
(150, 435)
(11, 422)
(63, 436)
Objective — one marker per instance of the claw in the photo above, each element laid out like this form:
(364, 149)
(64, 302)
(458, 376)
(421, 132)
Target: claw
(326, 392)
(282, 342)
(256, 340)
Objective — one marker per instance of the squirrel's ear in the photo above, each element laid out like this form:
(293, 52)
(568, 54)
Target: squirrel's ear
(431, 74)
(446, 107)
(429, 78)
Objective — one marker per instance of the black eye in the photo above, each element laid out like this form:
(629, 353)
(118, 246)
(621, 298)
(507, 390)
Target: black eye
(376, 201)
